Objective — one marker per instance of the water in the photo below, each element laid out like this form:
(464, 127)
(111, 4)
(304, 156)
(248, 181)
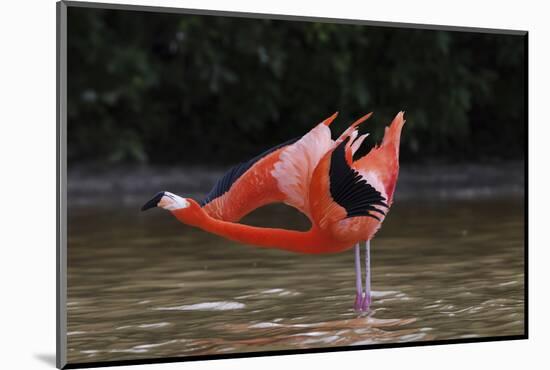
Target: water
(142, 285)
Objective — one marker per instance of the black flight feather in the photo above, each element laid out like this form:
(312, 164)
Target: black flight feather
(350, 190)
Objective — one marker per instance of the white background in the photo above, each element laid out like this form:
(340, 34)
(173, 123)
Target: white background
(27, 181)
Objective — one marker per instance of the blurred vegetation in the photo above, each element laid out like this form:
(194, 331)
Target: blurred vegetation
(168, 88)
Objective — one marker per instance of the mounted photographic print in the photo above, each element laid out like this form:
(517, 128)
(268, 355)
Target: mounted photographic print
(234, 184)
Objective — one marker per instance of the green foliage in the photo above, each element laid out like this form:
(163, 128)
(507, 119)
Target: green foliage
(168, 88)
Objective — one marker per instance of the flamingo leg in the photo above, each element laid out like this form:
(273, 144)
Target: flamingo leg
(358, 278)
(367, 298)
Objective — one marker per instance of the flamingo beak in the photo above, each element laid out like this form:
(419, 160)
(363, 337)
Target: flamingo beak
(153, 202)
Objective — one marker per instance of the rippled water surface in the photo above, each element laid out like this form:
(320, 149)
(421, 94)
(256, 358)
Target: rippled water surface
(141, 285)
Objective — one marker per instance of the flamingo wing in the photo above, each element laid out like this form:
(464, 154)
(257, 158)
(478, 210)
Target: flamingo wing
(297, 163)
(382, 161)
(346, 203)
(280, 174)
(224, 184)
(349, 200)
(294, 169)
(351, 190)
(236, 193)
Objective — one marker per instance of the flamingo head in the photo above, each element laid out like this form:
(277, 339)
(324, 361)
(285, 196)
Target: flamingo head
(166, 200)
(186, 210)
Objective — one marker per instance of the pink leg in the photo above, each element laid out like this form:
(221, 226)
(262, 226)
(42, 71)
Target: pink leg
(367, 300)
(358, 285)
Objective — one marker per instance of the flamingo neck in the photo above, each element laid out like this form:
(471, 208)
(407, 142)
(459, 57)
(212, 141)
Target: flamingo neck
(311, 241)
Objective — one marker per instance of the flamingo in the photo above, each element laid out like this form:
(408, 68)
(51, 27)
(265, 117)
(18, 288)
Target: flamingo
(346, 200)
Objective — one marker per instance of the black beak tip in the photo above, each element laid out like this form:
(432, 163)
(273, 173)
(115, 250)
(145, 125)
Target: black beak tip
(153, 202)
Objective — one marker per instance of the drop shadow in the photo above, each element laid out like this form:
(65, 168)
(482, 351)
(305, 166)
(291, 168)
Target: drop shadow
(47, 358)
